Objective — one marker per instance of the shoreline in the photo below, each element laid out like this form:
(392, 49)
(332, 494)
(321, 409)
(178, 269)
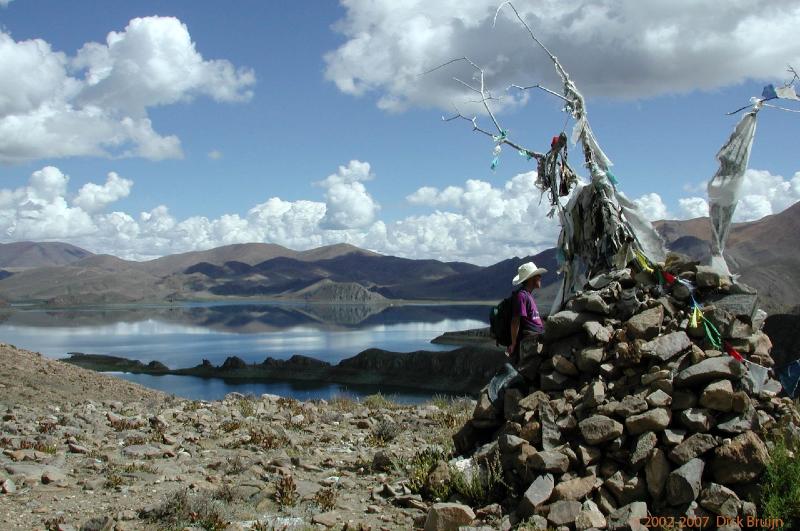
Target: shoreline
(464, 370)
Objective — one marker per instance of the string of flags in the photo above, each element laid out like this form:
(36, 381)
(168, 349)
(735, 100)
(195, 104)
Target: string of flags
(787, 92)
(696, 317)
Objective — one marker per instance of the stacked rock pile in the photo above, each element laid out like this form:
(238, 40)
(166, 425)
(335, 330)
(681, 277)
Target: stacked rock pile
(625, 411)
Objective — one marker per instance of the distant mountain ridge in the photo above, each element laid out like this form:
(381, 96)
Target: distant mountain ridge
(39, 254)
(766, 253)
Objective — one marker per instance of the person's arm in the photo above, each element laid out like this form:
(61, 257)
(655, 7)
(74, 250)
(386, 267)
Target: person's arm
(514, 333)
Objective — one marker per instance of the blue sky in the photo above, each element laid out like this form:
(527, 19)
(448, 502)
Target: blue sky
(264, 122)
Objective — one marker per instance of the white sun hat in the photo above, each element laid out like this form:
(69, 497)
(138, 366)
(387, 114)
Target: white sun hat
(526, 271)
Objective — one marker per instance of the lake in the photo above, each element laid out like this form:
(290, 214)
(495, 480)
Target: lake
(183, 335)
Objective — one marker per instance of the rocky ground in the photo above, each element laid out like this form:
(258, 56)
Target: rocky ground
(82, 450)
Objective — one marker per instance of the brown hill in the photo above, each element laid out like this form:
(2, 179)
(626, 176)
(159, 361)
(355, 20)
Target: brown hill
(766, 253)
(39, 254)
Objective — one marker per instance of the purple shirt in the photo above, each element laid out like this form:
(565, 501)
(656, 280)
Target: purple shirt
(525, 308)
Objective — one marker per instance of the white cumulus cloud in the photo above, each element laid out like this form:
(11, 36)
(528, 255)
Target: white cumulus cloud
(474, 221)
(652, 206)
(96, 102)
(639, 48)
(92, 197)
(349, 205)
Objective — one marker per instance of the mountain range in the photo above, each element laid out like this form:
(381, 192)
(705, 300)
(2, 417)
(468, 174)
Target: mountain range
(766, 253)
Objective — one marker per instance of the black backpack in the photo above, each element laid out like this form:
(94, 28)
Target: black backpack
(500, 320)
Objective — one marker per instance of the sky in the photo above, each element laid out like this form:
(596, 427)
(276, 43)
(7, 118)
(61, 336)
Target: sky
(147, 128)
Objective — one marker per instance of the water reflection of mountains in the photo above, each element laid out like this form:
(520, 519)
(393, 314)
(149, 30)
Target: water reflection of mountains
(251, 318)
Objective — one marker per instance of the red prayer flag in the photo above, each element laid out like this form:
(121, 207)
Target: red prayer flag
(732, 352)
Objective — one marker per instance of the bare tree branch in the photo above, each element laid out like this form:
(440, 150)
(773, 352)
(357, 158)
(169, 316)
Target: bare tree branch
(554, 93)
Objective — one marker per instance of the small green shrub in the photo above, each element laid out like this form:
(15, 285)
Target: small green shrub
(182, 509)
(383, 432)
(483, 487)
(247, 406)
(378, 401)
(343, 403)
(418, 467)
(780, 485)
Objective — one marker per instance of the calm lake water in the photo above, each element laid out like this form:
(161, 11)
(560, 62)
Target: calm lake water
(184, 335)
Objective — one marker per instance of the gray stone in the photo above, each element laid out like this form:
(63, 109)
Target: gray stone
(651, 377)
(737, 424)
(645, 325)
(536, 494)
(631, 405)
(626, 488)
(142, 451)
(7, 486)
(595, 394)
(448, 516)
(553, 381)
(667, 346)
(658, 399)
(574, 489)
(656, 471)
(596, 304)
(564, 512)
(551, 435)
(599, 429)
(589, 359)
(694, 446)
(628, 517)
(683, 399)
(100, 523)
(683, 484)
(597, 332)
(564, 323)
(720, 500)
(709, 370)
(53, 475)
(590, 517)
(672, 436)
(741, 461)
(718, 396)
(641, 449)
(697, 420)
(653, 420)
(550, 461)
(564, 366)
(589, 455)
(741, 304)
(707, 277)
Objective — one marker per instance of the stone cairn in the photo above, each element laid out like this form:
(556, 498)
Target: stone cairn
(625, 411)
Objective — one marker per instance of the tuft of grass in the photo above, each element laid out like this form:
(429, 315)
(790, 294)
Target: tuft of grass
(192, 405)
(182, 509)
(383, 432)
(487, 485)
(267, 440)
(224, 493)
(236, 465)
(247, 406)
(419, 467)
(125, 424)
(780, 484)
(131, 468)
(325, 498)
(378, 401)
(230, 425)
(286, 491)
(343, 403)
